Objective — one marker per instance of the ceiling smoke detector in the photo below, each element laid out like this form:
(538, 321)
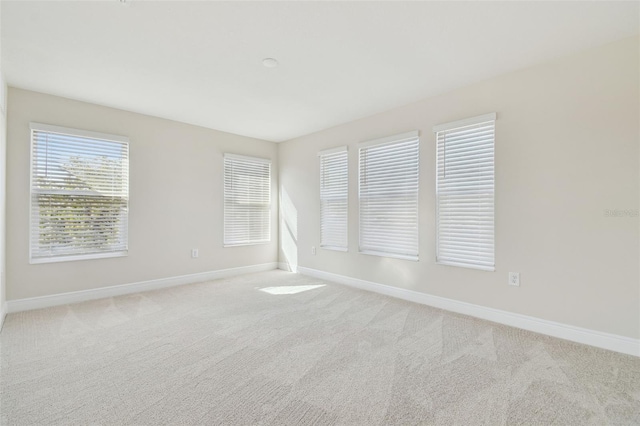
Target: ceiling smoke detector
(269, 62)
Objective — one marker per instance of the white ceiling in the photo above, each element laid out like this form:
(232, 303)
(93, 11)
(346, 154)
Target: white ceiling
(201, 62)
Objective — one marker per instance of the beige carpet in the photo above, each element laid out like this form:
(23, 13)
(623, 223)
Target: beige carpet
(283, 349)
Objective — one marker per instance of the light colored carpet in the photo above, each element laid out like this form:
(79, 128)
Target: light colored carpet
(283, 349)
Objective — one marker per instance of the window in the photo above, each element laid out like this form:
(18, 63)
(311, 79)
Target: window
(247, 200)
(79, 194)
(334, 191)
(388, 195)
(465, 193)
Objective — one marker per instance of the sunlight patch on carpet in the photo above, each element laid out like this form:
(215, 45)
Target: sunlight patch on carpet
(293, 289)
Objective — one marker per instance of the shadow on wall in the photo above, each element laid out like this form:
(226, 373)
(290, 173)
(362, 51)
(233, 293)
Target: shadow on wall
(289, 230)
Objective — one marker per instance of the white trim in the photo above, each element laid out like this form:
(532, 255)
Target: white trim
(77, 132)
(612, 342)
(466, 265)
(465, 122)
(392, 255)
(3, 314)
(247, 158)
(253, 243)
(334, 248)
(119, 290)
(395, 138)
(89, 256)
(336, 150)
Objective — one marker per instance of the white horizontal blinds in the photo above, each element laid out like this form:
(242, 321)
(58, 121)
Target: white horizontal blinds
(247, 200)
(334, 187)
(388, 195)
(465, 193)
(79, 194)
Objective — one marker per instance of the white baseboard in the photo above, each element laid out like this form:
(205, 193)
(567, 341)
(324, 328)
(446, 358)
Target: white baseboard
(598, 339)
(119, 290)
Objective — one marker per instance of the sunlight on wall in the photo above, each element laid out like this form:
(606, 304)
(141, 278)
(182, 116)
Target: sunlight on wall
(289, 230)
(294, 289)
(401, 270)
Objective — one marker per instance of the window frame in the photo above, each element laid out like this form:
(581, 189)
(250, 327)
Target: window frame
(246, 158)
(455, 125)
(321, 155)
(47, 128)
(390, 140)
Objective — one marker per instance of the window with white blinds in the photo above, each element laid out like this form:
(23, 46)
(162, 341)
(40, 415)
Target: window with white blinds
(465, 193)
(388, 196)
(79, 194)
(334, 192)
(247, 200)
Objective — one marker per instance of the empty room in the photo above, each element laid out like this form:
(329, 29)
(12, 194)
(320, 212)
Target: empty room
(319, 213)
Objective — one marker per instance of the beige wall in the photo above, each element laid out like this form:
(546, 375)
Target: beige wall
(567, 139)
(176, 201)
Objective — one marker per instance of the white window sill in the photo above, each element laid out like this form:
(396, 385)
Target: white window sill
(467, 265)
(344, 249)
(55, 259)
(391, 255)
(247, 244)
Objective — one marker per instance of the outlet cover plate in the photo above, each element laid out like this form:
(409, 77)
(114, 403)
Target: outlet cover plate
(514, 279)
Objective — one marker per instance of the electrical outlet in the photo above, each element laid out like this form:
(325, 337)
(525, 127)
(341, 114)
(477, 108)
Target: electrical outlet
(514, 278)
(313, 250)
(194, 253)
